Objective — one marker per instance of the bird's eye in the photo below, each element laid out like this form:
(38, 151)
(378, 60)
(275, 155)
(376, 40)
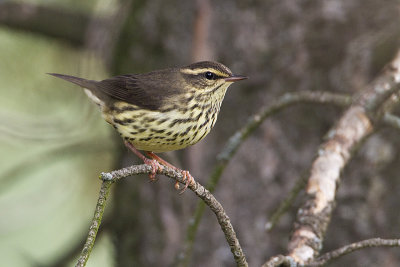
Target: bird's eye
(209, 75)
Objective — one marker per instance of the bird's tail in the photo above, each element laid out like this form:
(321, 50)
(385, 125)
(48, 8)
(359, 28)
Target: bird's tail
(89, 84)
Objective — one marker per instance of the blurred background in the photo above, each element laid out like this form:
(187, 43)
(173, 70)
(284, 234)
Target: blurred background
(54, 142)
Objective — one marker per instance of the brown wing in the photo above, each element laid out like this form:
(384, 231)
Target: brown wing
(147, 90)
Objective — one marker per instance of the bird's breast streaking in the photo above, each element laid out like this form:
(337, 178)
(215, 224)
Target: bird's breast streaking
(167, 129)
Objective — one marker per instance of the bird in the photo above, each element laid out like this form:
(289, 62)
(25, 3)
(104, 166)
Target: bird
(162, 110)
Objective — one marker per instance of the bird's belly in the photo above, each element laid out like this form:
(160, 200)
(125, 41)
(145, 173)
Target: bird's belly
(163, 131)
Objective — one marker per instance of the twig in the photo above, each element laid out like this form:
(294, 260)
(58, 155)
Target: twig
(197, 188)
(373, 242)
(96, 221)
(234, 142)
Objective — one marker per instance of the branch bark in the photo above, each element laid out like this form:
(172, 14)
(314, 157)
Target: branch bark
(373, 242)
(353, 127)
(198, 189)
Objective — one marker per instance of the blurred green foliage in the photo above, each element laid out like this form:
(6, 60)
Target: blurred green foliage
(53, 145)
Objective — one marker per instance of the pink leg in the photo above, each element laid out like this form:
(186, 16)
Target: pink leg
(152, 162)
(186, 175)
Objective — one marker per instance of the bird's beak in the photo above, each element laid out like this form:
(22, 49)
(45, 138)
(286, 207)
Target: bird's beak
(235, 78)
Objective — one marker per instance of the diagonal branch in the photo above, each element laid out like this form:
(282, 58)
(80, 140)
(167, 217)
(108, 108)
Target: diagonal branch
(198, 189)
(329, 256)
(353, 127)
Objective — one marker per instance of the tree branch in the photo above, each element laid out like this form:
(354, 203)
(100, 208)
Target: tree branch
(234, 142)
(353, 127)
(198, 189)
(373, 242)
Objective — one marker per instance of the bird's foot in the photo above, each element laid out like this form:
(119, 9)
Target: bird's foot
(187, 177)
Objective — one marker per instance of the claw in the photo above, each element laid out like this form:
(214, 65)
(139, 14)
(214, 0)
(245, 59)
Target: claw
(155, 166)
(188, 178)
(177, 186)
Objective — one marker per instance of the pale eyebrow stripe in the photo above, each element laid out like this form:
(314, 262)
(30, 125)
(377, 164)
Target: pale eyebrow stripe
(202, 70)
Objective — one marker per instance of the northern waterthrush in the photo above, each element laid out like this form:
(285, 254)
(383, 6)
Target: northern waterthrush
(162, 110)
